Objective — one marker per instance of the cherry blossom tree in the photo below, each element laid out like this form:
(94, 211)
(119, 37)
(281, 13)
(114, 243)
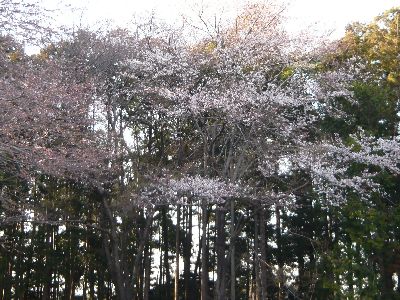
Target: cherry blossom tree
(255, 106)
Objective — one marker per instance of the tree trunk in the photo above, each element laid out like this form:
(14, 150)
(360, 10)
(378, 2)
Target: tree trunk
(204, 256)
(387, 272)
(232, 250)
(187, 255)
(263, 250)
(279, 253)
(257, 276)
(48, 267)
(220, 251)
(143, 241)
(91, 281)
(147, 274)
(161, 268)
(113, 255)
(177, 244)
(166, 251)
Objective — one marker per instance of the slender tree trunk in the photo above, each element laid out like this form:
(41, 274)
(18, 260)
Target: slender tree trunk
(69, 276)
(84, 289)
(3, 276)
(263, 250)
(161, 279)
(48, 271)
(138, 263)
(279, 249)
(147, 275)
(91, 281)
(232, 246)
(220, 251)
(139, 287)
(387, 286)
(248, 275)
(113, 255)
(177, 245)
(301, 277)
(20, 266)
(257, 278)
(8, 278)
(350, 276)
(204, 256)
(166, 252)
(187, 255)
(101, 288)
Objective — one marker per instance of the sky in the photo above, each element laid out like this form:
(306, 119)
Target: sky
(336, 14)
(324, 15)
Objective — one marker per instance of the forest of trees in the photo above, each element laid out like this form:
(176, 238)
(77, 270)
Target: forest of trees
(234, 161)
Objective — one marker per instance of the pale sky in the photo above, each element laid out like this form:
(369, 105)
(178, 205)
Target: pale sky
(328, 14)
(336, 14)
(320, 16)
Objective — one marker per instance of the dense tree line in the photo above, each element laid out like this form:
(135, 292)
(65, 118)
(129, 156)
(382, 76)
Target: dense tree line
(235, 163)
